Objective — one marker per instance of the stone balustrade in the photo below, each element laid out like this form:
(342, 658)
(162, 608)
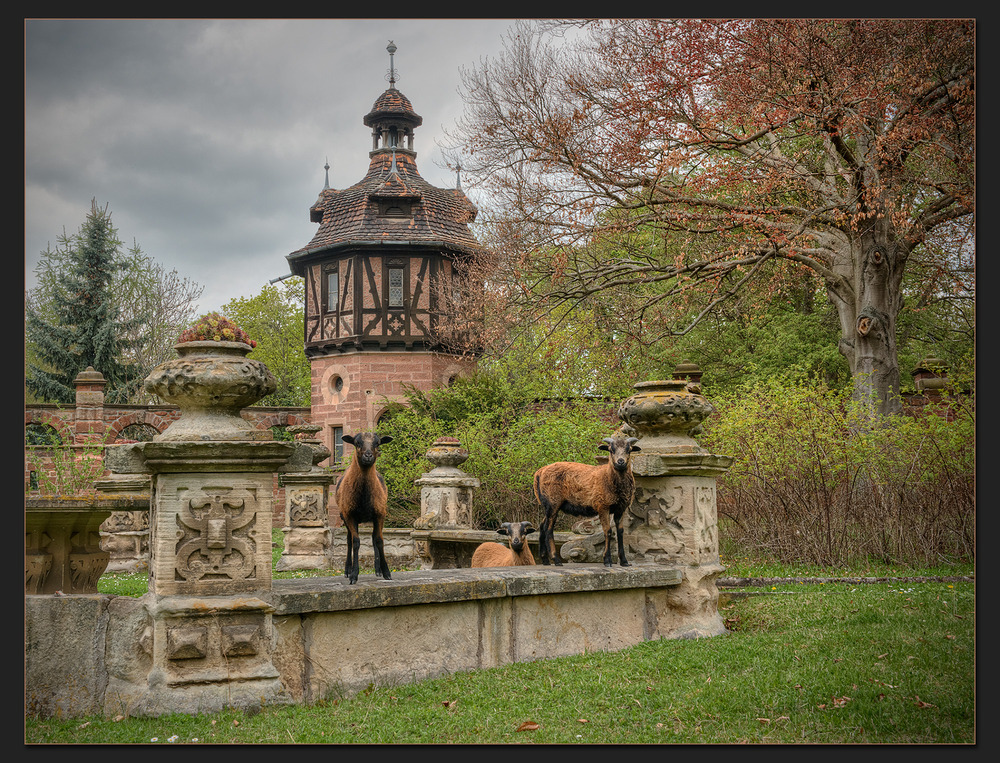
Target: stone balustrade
(215, 630)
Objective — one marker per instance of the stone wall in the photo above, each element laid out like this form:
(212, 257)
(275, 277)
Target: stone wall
(90, 424)
(334, 639)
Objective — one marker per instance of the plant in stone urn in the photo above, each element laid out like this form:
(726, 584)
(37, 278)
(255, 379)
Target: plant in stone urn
(213, 327)
(211, 381)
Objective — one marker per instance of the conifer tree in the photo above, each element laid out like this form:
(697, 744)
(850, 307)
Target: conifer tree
(84, 327)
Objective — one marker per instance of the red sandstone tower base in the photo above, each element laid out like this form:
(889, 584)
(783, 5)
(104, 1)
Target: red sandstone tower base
(350, 392)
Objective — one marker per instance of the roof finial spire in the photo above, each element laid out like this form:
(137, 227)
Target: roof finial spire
(458, 175)
(391, 47)
(327, 168)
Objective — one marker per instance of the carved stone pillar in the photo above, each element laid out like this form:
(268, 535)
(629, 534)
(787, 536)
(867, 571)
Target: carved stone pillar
(208, 638)
(445, 503)
(673, 518)
(308, 537)
(125, 534)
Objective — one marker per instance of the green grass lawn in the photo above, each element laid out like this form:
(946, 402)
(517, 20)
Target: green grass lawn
(804, 663)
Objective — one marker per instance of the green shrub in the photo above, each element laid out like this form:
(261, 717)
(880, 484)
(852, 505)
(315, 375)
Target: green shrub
(508, 438)
(815, 482)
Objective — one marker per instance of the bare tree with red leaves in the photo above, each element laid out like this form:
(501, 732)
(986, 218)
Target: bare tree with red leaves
(840, 146)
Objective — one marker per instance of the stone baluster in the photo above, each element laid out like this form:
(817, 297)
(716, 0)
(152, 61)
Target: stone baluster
(445, 503)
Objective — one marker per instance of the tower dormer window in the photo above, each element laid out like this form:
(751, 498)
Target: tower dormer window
(395, 209)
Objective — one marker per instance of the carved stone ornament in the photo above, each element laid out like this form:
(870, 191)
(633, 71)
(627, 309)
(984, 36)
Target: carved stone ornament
(211, 382)
(446, 453)
(666, 413)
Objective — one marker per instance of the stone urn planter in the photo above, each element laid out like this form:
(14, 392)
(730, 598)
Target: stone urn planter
(211, 382)
(447, 454)
(665, 414)
(306, 434)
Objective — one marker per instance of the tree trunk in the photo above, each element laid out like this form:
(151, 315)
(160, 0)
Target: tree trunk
(868, 317)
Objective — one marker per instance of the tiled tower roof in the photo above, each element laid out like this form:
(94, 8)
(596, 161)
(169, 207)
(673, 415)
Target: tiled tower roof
(392, 103)
(355, 217)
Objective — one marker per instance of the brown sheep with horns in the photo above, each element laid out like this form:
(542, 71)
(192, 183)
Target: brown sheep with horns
(605, 491)
(361, 497)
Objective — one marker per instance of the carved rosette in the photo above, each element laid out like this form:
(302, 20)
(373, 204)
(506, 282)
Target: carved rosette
(211, 382)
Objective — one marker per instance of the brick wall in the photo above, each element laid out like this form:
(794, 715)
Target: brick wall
(352, 391)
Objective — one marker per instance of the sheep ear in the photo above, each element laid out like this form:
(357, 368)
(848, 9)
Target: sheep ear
(528, 528)
(504, 529)
(631, 442)
(348, 439)
(605, 445)
(383, 439)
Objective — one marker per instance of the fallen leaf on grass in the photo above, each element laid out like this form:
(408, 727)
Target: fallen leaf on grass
(836, 702)
(83, 725)
(450, 703)
(921, 703)
(882, 683)
(528, 726)
(582, 720)
(764, 720)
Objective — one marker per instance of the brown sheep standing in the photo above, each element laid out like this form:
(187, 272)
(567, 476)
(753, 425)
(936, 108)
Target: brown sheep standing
(491, 554)
(604, 490)
(362, 497)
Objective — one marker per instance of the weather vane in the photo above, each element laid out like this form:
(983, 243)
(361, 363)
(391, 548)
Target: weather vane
(391, 47)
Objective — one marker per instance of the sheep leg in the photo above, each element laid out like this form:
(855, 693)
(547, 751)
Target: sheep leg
(621, 541)
(353, 551)
(355, 563)
(543, 544)
(606, 526)
(350, 549)
(547, 542)
(381, 566)
(545, 552)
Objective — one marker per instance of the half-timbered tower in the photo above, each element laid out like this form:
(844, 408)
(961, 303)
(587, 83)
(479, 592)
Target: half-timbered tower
(377, 273)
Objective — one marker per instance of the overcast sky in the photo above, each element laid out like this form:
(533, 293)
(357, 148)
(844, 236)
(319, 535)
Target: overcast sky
(207, 138)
